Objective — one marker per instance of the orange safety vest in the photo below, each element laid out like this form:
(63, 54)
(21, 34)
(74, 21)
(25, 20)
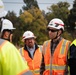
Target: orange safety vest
(35, 63)
(55, 64)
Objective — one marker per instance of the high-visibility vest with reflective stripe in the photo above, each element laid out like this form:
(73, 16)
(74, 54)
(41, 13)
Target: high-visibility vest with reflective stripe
(35, 63)
(55, 64)
(26, 72)
(11, 62)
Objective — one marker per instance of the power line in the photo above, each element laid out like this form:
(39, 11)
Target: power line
(14, 2)
(23, 3)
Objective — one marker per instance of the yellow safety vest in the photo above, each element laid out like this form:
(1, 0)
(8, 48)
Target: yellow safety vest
(11, 62)
(74, 42)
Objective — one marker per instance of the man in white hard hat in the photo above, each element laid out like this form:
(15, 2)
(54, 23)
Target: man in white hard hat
(31, 52)
(7, 29)
(11, 62)
(55, 50)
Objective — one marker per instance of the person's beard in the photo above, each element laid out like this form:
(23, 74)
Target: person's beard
(30, 45)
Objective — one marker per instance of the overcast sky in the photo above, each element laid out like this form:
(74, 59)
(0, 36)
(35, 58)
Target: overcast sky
(16, 5)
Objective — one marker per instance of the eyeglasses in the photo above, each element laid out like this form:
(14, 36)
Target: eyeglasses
(51, 30)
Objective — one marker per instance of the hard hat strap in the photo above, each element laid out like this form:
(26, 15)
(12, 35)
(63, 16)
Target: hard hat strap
(56, 36)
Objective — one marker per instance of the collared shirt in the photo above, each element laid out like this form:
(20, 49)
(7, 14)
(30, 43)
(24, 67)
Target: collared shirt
(31, 50)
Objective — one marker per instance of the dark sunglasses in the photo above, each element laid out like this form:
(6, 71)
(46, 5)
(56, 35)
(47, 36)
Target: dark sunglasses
(51, 30)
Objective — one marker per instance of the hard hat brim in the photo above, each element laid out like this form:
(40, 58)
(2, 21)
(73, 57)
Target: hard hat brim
(7, 28)
(30, 37)
(13, 28)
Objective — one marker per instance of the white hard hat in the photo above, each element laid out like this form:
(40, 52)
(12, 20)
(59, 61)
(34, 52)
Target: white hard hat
(56, 23)
(3, 13)
(7, 24)
(28, 34)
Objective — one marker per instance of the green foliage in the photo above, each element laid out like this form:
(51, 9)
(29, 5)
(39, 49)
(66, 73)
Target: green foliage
(72, 20)
(18, 24)
(59, 10)
(35, 22)
(29, 4)
(67, 36)
(72, 17)
(27, 17)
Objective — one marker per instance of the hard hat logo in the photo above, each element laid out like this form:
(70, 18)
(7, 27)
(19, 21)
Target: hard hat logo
(28, 34)
(56, 23)
(59, 24)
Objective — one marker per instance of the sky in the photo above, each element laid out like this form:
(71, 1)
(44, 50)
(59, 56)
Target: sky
(16, 5)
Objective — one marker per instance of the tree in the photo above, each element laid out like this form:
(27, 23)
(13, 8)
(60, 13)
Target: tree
(35, 21)
(29, 4)
(18, 24)
(12, 17)
(72, 20)
(59, 10)
(20, 12)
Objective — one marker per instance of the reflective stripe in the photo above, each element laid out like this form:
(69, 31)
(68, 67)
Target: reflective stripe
(45, 46)
(21, 51)
(68, 70)
(40, 48)
(55, 67)
(1, 41)
(47, 67)
(63, 47)
(36, 71)
(27, 73)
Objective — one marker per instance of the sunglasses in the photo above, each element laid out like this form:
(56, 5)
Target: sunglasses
(52, 30)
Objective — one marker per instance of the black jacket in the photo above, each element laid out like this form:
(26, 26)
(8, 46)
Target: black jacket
(72, 59)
